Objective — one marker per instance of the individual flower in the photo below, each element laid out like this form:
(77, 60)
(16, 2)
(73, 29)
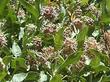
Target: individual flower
(31, 28)
(49, 12)
(49, 29)
(70, 46)
(37, 42)
(77, 23)
(92, 7)
(89, 21)
(89, 44)
(3, 40)
(95, 12)
(78, 12)
(48, 53)
(68, 32)
(107, 40)
(32, 62)
(21, 15)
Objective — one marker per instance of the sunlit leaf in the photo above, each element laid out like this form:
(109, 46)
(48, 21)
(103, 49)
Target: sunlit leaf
(7, 59)
(43, 77)
(16, 49)
(72, 59)
(3, 4)
(19, 63)
(83, 2)
(19, 77)
(81, 37)
(2, 74)
(58, 39)
(57, 78)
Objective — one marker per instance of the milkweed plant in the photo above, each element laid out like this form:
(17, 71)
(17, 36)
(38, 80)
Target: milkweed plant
(54, 40)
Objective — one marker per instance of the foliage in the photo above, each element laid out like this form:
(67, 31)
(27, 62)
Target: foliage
(54, 40)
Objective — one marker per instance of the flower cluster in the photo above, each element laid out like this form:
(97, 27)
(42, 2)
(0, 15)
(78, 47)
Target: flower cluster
(3, 40)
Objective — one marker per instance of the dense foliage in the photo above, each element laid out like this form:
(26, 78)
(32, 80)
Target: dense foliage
(54, 40)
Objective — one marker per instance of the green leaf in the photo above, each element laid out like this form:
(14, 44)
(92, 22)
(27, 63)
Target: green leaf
(105, 18)
(3, 3)
(81, 37)
(56, 78)
(95, 62)
(2, 74)
(34, 11)
(7, 59)
(108, 6)
(11, 15)
(32, 76)
(103, 57)
(105, 78)
(72, 59)
(62, 14)
(101, 68)
(82, 79)
(19, 63)
(83, 2)
(58, 39)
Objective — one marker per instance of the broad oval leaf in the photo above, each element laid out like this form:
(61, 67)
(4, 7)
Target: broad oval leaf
(43, 77)
(19, 77)
(16, 50)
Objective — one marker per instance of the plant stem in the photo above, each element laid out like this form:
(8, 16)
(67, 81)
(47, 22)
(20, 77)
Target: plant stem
(90, 78)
